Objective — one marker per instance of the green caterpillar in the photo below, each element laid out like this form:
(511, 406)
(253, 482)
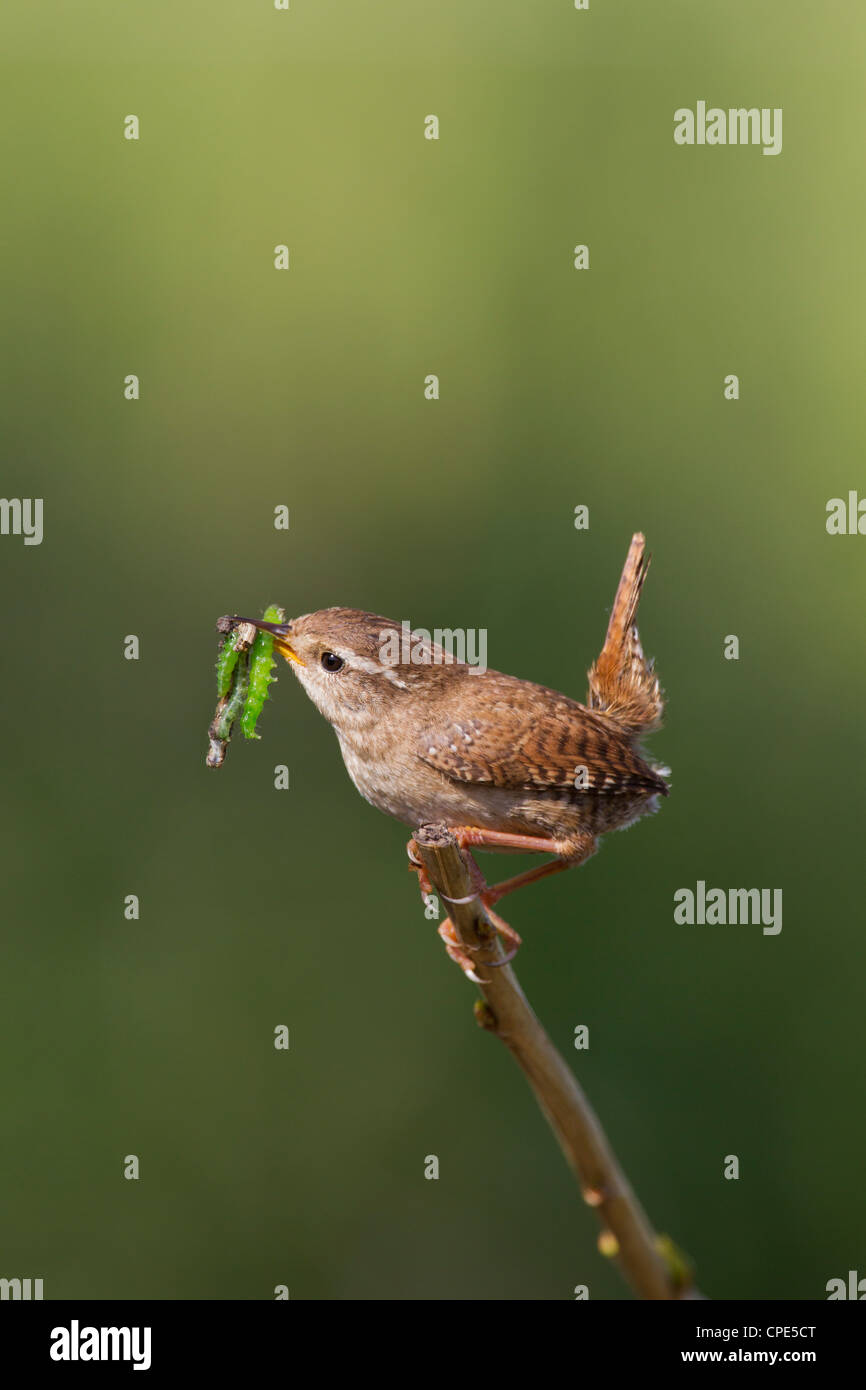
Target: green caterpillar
(226, 663)
(237, 697)
(261, 666)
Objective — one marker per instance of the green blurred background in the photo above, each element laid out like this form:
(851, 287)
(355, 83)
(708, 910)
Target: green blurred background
(558, 387)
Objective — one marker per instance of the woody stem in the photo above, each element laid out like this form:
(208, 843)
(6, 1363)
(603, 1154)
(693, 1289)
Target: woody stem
(507, 1013)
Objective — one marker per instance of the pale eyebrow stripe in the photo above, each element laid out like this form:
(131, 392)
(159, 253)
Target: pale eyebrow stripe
(373, 668)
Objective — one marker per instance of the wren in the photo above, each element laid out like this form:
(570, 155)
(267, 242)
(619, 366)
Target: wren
(506, 764)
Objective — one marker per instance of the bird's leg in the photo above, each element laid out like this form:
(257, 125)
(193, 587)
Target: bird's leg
(576, 851)
(499, 890)
(476, 837)
(568, 854)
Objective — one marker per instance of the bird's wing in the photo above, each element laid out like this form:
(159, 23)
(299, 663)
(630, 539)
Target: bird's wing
(529, 738)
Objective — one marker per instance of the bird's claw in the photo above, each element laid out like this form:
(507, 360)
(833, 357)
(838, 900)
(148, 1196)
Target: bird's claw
(456, 949)
(416, 867)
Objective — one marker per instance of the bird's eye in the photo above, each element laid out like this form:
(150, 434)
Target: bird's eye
(332, 662)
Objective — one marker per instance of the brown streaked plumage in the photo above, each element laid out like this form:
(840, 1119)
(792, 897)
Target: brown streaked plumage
(505, 763)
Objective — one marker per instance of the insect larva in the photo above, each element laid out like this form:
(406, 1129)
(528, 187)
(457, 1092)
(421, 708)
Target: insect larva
(244, 672)
(235, 701)
(261, 665)
(226, 663)
(232, 685)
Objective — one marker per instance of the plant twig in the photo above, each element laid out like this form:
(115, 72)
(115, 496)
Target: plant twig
(652, 1265)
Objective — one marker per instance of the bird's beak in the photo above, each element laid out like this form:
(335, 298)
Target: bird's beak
(279, 632)
(285, 650)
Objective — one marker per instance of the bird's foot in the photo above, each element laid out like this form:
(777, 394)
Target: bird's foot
(456, 948)
(507, 932)
(487, 896)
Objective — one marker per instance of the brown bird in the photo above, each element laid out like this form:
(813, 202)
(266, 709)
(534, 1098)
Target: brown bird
(506, 764)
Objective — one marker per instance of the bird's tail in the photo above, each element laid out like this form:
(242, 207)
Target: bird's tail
(621, 682)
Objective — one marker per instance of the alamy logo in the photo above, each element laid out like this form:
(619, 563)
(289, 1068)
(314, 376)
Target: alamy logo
(418, 647)
(24, 1289)
(22, 516)
(736, 126)
(855, 1287)
(738, 906)
(75, 1343)
(846, 520)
